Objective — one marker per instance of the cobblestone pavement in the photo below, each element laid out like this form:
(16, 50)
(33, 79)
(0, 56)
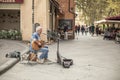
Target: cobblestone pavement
(7, 46)
(93, 57)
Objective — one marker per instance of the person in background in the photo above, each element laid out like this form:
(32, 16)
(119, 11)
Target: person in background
(78, 29)
(92, 29)
(82, 30)
(97, 30)
(66, 32)
(49, 36)
(107, 34)
(86, 30)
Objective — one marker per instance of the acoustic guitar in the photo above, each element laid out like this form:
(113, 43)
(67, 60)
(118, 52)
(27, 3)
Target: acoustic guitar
(36, 46)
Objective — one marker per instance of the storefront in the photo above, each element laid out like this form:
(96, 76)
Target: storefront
(22, 15)
(110, 22)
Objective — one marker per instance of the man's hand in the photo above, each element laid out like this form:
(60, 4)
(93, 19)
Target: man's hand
(39, 44)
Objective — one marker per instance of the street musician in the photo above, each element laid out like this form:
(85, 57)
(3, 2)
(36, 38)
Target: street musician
(37, 45)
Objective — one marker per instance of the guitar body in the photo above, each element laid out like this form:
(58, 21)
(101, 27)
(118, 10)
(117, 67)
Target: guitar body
(36, 46)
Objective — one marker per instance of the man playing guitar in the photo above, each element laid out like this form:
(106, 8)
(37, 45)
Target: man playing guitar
(37, 46)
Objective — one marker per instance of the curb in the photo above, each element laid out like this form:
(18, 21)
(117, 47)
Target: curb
(12, 62)
(7, 65)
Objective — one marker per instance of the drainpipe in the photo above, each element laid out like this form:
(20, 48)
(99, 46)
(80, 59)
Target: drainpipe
(33, 27)
(69, 8)
(74, 16)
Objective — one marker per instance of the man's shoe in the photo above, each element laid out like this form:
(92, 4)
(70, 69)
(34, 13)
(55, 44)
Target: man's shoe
(47, 60)
(40, 61)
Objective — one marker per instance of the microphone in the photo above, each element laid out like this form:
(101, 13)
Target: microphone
(44, 33)
(51, 36)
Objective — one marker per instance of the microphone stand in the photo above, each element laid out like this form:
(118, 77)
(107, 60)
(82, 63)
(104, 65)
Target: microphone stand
(58, 54)
(66, 63)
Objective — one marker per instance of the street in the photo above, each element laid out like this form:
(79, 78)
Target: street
(93, 59)
(7, 46)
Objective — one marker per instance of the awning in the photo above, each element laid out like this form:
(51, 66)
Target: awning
(113, 19)
(107, 21)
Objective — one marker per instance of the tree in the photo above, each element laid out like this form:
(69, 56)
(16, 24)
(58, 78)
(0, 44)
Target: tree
(98, 9)
(113, 8)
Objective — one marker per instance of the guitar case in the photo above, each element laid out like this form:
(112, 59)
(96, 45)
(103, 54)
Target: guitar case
(67, 63)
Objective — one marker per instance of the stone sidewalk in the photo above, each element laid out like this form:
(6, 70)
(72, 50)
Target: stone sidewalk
(7, 46)
(94, 59)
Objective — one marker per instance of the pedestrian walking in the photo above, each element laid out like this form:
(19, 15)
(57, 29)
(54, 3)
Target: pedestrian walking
(92, 29)
(97, 30)
(78, 29)
(86, 30)
(82, 30)
(66, 32)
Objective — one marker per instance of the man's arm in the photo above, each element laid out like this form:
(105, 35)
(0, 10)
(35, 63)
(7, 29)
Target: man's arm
(35, 40)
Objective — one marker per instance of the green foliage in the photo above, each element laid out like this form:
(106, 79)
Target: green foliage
(10, 34)
(98, 9)
(4, 34)
(1, 35)
(113, 8)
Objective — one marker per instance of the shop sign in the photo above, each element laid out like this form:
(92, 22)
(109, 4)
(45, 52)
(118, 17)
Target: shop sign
(11, 1)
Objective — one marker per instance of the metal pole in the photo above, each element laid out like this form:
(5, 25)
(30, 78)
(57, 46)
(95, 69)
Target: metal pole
(58, 54)
(33, 29)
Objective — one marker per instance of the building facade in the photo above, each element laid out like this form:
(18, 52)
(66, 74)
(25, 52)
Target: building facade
(68, 17)
(24, 15)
